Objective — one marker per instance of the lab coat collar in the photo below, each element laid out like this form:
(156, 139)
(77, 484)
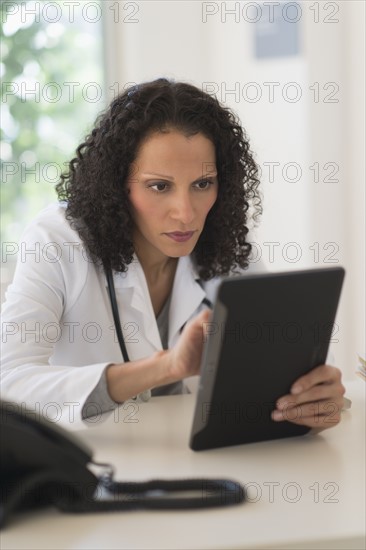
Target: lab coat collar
(187, 295)
(134, 303)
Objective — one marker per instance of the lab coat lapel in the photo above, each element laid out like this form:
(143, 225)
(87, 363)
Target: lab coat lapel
(134, 304)
(187, 296)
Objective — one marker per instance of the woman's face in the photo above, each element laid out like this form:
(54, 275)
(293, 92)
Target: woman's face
(172, 187)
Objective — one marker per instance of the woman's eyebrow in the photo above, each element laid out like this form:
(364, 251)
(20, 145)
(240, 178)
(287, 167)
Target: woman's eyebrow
(170, 178)
(157, 175)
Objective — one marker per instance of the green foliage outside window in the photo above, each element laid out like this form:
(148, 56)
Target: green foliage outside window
(52, 89)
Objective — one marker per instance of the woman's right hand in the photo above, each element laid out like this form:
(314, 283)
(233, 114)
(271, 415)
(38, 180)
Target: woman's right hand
(185, 357)
(126, 380)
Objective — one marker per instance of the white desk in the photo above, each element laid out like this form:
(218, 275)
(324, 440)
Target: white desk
(306, 492)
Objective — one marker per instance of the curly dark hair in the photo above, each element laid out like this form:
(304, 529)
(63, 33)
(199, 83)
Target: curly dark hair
(94, 186)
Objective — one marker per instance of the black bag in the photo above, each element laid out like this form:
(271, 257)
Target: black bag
(42, 464)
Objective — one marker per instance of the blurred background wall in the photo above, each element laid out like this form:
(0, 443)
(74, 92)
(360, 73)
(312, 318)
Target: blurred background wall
(294, 72)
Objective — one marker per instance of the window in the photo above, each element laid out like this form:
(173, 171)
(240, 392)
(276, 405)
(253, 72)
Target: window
(52, 75)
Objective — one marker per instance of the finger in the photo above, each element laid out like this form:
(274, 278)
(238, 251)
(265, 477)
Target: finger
(205, 317)
(310, 412)
(316, 393)
(326, 407)
(202, 317)
(318, 375)
(320, 422)
(206, 314)
(198, 322)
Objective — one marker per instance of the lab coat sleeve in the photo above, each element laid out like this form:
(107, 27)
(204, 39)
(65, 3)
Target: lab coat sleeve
(31, 316)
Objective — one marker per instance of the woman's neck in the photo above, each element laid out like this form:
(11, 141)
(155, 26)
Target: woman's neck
(157, 269)
(159, 274)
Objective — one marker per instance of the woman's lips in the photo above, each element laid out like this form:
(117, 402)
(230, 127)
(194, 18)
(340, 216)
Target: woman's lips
(179, 236)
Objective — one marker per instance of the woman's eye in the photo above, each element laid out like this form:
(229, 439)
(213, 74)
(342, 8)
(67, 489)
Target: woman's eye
(161, 186)
(203, 184)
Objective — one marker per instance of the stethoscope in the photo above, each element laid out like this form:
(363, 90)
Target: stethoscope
(116, 317)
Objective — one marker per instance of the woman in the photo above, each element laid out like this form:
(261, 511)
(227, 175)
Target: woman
(159, 195)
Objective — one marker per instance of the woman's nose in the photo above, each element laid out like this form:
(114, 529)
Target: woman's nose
(182, 209)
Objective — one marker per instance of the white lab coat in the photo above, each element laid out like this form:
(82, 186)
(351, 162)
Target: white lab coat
(57, 324)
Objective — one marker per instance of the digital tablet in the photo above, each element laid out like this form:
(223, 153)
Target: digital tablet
(266, 331)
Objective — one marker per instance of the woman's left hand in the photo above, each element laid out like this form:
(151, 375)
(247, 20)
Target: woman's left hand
(316, 399)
